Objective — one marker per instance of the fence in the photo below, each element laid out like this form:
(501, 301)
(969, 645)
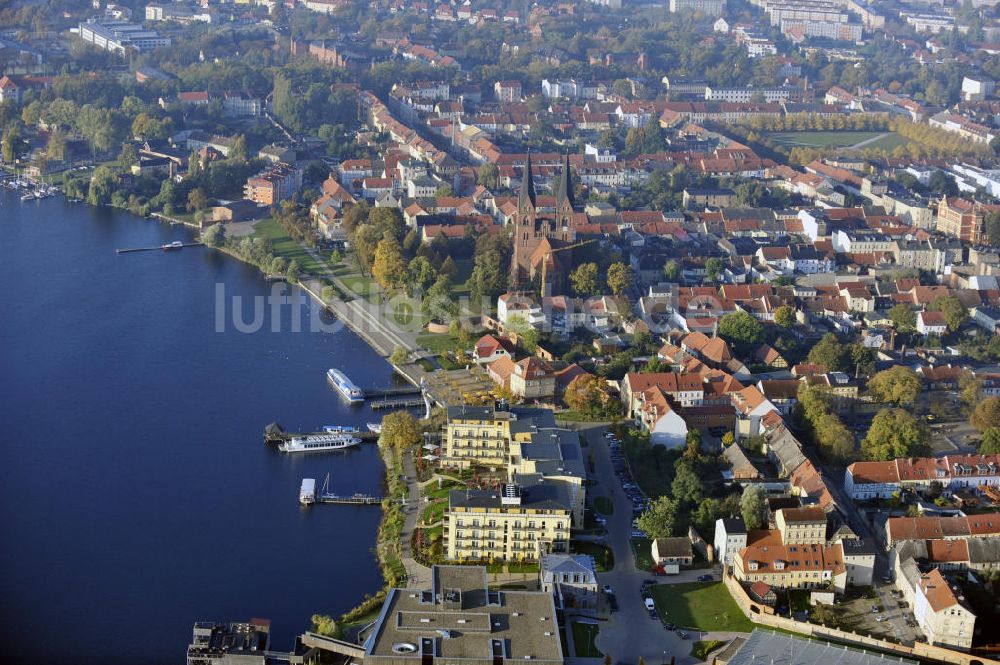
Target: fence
(920, 650)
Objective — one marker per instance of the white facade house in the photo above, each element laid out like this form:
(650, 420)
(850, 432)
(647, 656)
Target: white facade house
(730, 538)
(942, 613)
(879, 480)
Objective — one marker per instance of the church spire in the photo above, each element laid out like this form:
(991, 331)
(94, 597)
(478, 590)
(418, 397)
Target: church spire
(564, 189)
(526, 198)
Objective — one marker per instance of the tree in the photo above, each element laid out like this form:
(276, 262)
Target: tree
(990, 445)
(833, 437)
(55, 148)
(323, 624)
(238, 151)
(214, 236)
(992, 220)
(400, 430)
(784, 316)
(986, 414)
(619, 278)
(128, 156)
(102, 184)
(197, 200)
(488, 279)
(489, 176)
(952, 309)
(292, 272)
(830, 353)
(692, 445)
(671, 270)
(705, 515)
(713, 267)
(728, 439)
(420, 274)
(587, 394)
(742, 329)
(897, 385)
(903, 317)
(753, 507)
(585, 279)
(687, 487)
(895, 433)
(399, 356)
(9, 144)
(662, 519)
(527, 335)
(389, 268)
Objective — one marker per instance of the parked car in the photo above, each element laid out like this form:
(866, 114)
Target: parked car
(874, 609)
(608, 590)
(705, 578)
(650, 605)
(682, 634)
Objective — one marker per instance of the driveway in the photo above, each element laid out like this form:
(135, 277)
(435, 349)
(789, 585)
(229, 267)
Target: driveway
(631, 633)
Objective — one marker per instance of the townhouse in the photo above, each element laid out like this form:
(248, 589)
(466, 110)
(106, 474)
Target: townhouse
(880, 480)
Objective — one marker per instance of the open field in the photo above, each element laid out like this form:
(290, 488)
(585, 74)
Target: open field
(284, 246)
(700, 605)
(821, 139)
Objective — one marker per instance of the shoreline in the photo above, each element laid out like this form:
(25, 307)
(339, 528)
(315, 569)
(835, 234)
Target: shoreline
(390, 525)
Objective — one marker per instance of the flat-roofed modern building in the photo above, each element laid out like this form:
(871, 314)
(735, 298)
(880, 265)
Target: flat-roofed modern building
(117, 36)
(482, 434)
(518, 522)
(765, 646)
(461, 620)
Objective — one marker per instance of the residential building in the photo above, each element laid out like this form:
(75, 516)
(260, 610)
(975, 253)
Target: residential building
(482, 435)
(880, 480)
(801, 526)
(730, 538)
(571, 578)
(931, 323)
(672, 551)
(942, 612)
(712, 198)
(962, 218)
(767, 559)
(273, 184)
(899, 529)
(705, 7)
(460, 618)
(512, 523)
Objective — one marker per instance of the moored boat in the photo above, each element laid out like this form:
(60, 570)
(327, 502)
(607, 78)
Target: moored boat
(375, 428)
(344, 385)
(318, 443)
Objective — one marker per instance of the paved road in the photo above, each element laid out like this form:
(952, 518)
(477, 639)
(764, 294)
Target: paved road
(862, 144)
(630, 633)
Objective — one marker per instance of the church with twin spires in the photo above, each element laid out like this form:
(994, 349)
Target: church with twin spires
(540, 235)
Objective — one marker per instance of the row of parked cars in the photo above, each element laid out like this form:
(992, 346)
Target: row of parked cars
(640, 502)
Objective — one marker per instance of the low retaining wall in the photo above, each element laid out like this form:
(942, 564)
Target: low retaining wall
(919, 651)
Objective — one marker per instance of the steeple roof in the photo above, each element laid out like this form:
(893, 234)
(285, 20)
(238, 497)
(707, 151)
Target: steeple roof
(564, 188)
(526, 198)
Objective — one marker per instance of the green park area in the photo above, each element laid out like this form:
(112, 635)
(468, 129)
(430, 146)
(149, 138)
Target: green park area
(700, 605)
(700, 650)
(833, 139)
(291, 250)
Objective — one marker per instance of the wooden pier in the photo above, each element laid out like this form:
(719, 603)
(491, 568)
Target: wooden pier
(400, 391)
(396, 404)
(354, 499)
(161, 248)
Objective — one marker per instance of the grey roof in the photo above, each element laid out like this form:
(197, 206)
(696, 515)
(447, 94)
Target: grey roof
(783, 649)
(459, 618)
(569, 563)
(673, 547)
(734, 525)
(536, 493)
(786, 448)
(983, 550)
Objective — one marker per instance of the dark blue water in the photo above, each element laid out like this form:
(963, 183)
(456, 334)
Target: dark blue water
(136, 495)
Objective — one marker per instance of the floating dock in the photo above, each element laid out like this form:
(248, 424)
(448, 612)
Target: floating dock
(308, 495)
(403, 403)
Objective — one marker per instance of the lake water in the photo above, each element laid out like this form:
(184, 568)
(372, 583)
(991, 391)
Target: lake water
(136, 495)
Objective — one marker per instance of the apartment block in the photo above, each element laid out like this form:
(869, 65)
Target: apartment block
(705, 7)
(273, 185)
(482, 435)
(512, 523)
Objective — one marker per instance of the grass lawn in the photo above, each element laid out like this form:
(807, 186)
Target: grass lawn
(701, 605)
(603, 556)
(284, 246)
(362, 286)
(642, 549)
(525, 567)
(434, 512)
(438, 343)
(820, 139)
(888, 143)
(604, 505)
(584, 635)
(700, 650)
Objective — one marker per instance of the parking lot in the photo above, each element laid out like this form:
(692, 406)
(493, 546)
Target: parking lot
(885, 616)
(638, 499)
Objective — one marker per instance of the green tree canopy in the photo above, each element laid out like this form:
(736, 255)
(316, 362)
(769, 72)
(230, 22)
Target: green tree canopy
(831, 354)
(620, 277)
(662, 519)
(952, 309)
(897, 385)
(400, 430)
(784, 316)
(687, 487)
(990, 445)
(903, 317)
(753, 507)
(895, 433)
(986, 414)
(585, 279)
(741, 329)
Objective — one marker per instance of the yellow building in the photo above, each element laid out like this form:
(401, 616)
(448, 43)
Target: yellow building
(514, 523)
(481, 435)
(801, 526)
